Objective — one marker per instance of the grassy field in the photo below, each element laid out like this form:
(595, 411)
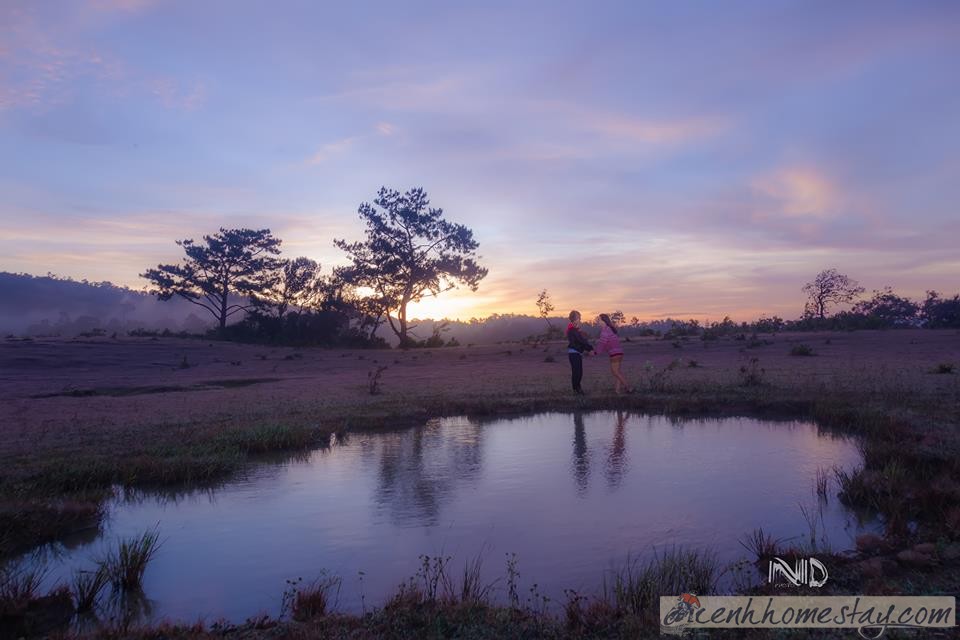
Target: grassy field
(79, 416)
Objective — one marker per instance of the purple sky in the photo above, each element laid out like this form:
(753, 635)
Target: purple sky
(686, 159)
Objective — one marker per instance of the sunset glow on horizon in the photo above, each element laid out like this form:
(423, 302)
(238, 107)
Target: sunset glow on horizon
(664, 160)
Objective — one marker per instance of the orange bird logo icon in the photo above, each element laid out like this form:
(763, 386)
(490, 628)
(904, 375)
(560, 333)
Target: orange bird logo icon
(691, 600)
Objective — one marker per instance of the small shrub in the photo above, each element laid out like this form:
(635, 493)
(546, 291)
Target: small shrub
(751, 374)
(659, 380)
(373, 379)
(693, 364)
(857, 488)
(801, 350)
(944, 368)
(310, 601)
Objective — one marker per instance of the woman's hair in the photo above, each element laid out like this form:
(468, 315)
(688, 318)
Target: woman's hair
(606, 320)
(574, 315)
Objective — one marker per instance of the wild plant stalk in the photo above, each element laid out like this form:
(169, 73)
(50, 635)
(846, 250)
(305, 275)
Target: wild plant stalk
(513, 576)
(433, 576)
(760, 544)
(373, 380)
(472, 590)
(815, 523)
(129, 560)
(822, 484)
(87, 586)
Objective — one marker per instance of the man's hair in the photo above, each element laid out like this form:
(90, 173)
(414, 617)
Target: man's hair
(574, 315)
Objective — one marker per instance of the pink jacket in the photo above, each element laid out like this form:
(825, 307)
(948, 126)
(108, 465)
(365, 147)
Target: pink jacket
(609, 342)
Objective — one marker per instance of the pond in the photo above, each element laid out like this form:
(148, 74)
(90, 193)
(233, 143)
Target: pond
(572, 495)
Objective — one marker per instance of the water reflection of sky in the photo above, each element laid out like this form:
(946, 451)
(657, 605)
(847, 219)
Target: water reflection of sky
(571, 495)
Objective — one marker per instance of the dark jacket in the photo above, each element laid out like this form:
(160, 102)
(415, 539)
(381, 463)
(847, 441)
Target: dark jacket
(576, 340)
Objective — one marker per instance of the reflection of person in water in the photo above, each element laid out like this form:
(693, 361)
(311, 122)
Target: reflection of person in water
(616, 461)
(617, 456)
(581, 457)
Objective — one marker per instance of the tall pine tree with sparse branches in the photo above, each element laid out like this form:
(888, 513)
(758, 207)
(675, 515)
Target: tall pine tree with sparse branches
(411, 251)
(231, 262)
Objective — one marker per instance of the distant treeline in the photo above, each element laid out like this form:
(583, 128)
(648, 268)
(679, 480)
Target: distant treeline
(55, 306)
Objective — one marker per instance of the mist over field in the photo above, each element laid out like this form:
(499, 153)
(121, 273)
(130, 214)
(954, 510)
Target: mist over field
(43, 305)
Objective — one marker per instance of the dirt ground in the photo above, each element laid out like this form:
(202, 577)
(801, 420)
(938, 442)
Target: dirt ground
(122, 394)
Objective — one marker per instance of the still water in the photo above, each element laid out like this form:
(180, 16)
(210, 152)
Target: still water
(572, 495)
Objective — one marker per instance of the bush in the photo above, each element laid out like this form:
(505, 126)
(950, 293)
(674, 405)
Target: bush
(751, 374)
(307, 328)
(801, 350)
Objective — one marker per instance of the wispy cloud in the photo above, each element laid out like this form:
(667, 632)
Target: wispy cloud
(177, 94)
(795, 192)
(46, 62)
(343, 145)
(652, 131)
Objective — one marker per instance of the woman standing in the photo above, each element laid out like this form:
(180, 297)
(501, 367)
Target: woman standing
(610, 343)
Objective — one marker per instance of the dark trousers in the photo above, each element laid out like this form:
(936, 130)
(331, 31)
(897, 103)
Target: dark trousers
(576, 368)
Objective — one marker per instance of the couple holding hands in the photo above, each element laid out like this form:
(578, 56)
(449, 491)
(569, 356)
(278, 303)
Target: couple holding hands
(609, 343)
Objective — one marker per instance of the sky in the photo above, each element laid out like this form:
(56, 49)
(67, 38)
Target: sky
(688, 159)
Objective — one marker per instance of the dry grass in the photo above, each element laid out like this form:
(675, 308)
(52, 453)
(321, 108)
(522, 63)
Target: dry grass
(126, 564)
(87, 586)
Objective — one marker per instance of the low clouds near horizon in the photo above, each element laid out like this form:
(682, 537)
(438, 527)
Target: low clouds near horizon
(656, 158)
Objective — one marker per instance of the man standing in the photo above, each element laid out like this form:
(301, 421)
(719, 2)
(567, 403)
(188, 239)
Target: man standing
(577, 344)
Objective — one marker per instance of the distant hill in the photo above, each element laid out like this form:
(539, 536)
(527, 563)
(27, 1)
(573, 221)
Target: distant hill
(48, 305)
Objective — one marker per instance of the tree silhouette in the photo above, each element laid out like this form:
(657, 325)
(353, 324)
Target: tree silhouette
(231, 261)
(888, 308)
(940, 313)
(829, 287)
(545, 307)
(298, 285)
(410, 252)
(342, 294)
